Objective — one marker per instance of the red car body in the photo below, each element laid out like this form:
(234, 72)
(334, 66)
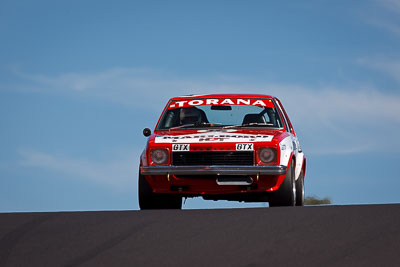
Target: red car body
(249, 161)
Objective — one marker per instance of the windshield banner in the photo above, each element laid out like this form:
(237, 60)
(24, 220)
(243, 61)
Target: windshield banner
(221, 102)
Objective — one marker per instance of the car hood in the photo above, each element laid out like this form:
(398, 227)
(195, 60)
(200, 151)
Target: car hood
(217, 135)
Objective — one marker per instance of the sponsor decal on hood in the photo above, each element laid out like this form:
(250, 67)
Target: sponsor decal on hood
(215, 137)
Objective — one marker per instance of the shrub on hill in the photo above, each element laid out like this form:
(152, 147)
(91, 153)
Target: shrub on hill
(314, 200)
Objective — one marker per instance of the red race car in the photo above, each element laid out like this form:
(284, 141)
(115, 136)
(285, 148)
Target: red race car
(237, 147)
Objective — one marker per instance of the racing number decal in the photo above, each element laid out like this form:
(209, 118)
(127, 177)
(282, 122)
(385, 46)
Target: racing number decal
(244, 147)
(180, 147)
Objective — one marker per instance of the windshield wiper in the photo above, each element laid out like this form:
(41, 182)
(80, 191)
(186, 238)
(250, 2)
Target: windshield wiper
(232, 126)
(258, 124)
(197, 124)
(248, 124)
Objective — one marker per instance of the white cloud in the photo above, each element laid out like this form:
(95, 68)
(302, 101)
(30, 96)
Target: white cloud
(120, 175)
(385, 15)
(331, 118)
(387, 25)
(392, 5)
(390, 67)
(121, 85)
(345, 120)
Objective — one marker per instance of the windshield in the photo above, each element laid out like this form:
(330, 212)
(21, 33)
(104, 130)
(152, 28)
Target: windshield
(220, 113)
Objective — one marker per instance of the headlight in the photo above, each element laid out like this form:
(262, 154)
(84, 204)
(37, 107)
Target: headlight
(159, 156)
(266, 154)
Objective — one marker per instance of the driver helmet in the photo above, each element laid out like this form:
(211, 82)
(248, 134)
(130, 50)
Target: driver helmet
(190, 115)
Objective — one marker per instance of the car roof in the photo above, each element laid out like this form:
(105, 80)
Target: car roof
(223, 96)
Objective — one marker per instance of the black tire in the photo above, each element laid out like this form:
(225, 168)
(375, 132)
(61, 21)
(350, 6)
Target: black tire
(286, 193)
(300, 189)
(149, 200)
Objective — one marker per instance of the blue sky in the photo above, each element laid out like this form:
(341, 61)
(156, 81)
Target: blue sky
(79, 80)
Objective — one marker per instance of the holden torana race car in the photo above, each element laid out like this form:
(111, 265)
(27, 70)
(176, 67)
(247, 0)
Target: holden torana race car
(222, 147)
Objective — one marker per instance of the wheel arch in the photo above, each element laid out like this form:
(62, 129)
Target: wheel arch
(291, 159)
(304, 167)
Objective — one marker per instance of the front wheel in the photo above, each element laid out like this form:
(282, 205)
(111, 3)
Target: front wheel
(300, 189)
(149, 200)
(286, 193)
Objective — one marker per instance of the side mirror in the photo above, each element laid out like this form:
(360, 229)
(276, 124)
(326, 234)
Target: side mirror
(146, 132)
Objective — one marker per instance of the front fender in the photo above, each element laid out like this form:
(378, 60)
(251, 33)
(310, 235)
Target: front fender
(143, 158)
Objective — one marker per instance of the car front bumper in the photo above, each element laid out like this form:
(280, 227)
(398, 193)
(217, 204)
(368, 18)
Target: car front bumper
(214, 170)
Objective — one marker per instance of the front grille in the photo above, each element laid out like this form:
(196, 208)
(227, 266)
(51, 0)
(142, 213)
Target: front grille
(213, 158)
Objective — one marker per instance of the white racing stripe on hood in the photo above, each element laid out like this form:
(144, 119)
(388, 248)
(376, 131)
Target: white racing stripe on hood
(223, 137)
